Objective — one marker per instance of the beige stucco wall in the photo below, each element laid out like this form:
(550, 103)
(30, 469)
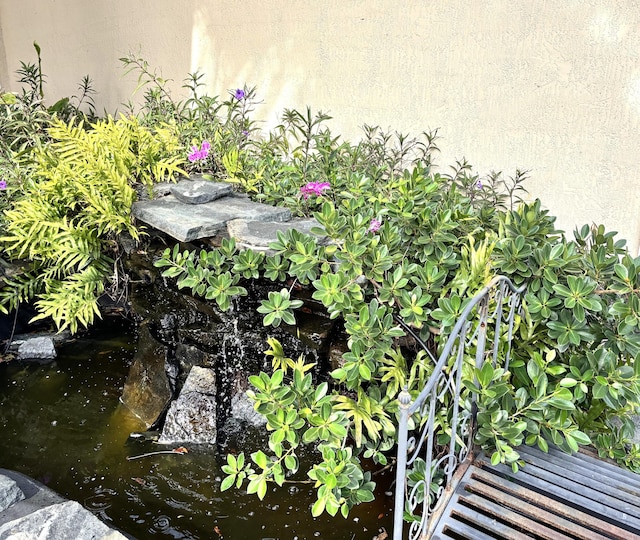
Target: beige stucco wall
(551, 86)
(4, 74)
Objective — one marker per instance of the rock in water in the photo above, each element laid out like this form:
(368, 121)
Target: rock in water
(147, 390)
(192, 417)
(10, 493)
(37, 348)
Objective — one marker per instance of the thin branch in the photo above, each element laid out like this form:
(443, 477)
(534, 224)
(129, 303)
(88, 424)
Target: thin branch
(614, 291)
(178, 451)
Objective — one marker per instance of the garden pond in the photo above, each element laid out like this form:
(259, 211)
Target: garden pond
(63, 424)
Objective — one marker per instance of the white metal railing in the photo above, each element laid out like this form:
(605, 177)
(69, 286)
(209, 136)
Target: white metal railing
(483, 317)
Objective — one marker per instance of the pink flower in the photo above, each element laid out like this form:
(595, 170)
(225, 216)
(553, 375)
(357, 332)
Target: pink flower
(314, 188)
(199, 154)
(374, 226)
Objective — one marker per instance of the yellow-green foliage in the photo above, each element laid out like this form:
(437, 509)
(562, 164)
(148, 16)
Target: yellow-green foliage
(75, 204)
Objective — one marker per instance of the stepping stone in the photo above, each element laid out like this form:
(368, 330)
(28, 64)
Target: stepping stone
(258, 235)
(187, 222)
(200, 191)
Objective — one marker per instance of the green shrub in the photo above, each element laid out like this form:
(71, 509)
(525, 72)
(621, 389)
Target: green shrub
(224, 124)
(68, 182)
(24, 121)
(407, 241)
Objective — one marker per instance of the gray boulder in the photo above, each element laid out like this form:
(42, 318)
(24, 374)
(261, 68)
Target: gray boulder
(37, 348)
(68, 520)
(10, 493)
(192, 417)
(242, 410)
(635, 418)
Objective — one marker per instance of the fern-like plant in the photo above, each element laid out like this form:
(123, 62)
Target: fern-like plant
(75, 205)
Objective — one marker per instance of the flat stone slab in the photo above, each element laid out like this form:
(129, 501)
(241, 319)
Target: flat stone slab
(41, 513)
(200, 191)
(186, 222)
(258, 235)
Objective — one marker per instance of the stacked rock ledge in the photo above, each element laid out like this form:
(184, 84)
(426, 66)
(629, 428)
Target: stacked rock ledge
(201, 209)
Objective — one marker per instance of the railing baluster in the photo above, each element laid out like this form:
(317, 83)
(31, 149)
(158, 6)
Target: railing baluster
(454, 420)
(496, 342)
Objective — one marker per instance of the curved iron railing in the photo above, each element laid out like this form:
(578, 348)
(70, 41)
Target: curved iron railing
(469, 333)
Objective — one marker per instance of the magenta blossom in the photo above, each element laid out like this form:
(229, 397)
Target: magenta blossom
(374, 226)
(199, 154)
(3, 184)
(314, 188)
(239, 94)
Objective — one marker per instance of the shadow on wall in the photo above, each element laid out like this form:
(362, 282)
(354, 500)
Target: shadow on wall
(88, 39)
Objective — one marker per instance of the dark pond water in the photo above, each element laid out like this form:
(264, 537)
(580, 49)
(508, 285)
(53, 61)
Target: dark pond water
(63, 424)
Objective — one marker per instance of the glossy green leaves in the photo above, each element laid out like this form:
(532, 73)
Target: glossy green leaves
(278, 307)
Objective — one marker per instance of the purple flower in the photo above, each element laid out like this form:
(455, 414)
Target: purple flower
(3, 184)
(239, 94)
(479, 184)
(374, 226)
(245, 132)
(314, 188)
